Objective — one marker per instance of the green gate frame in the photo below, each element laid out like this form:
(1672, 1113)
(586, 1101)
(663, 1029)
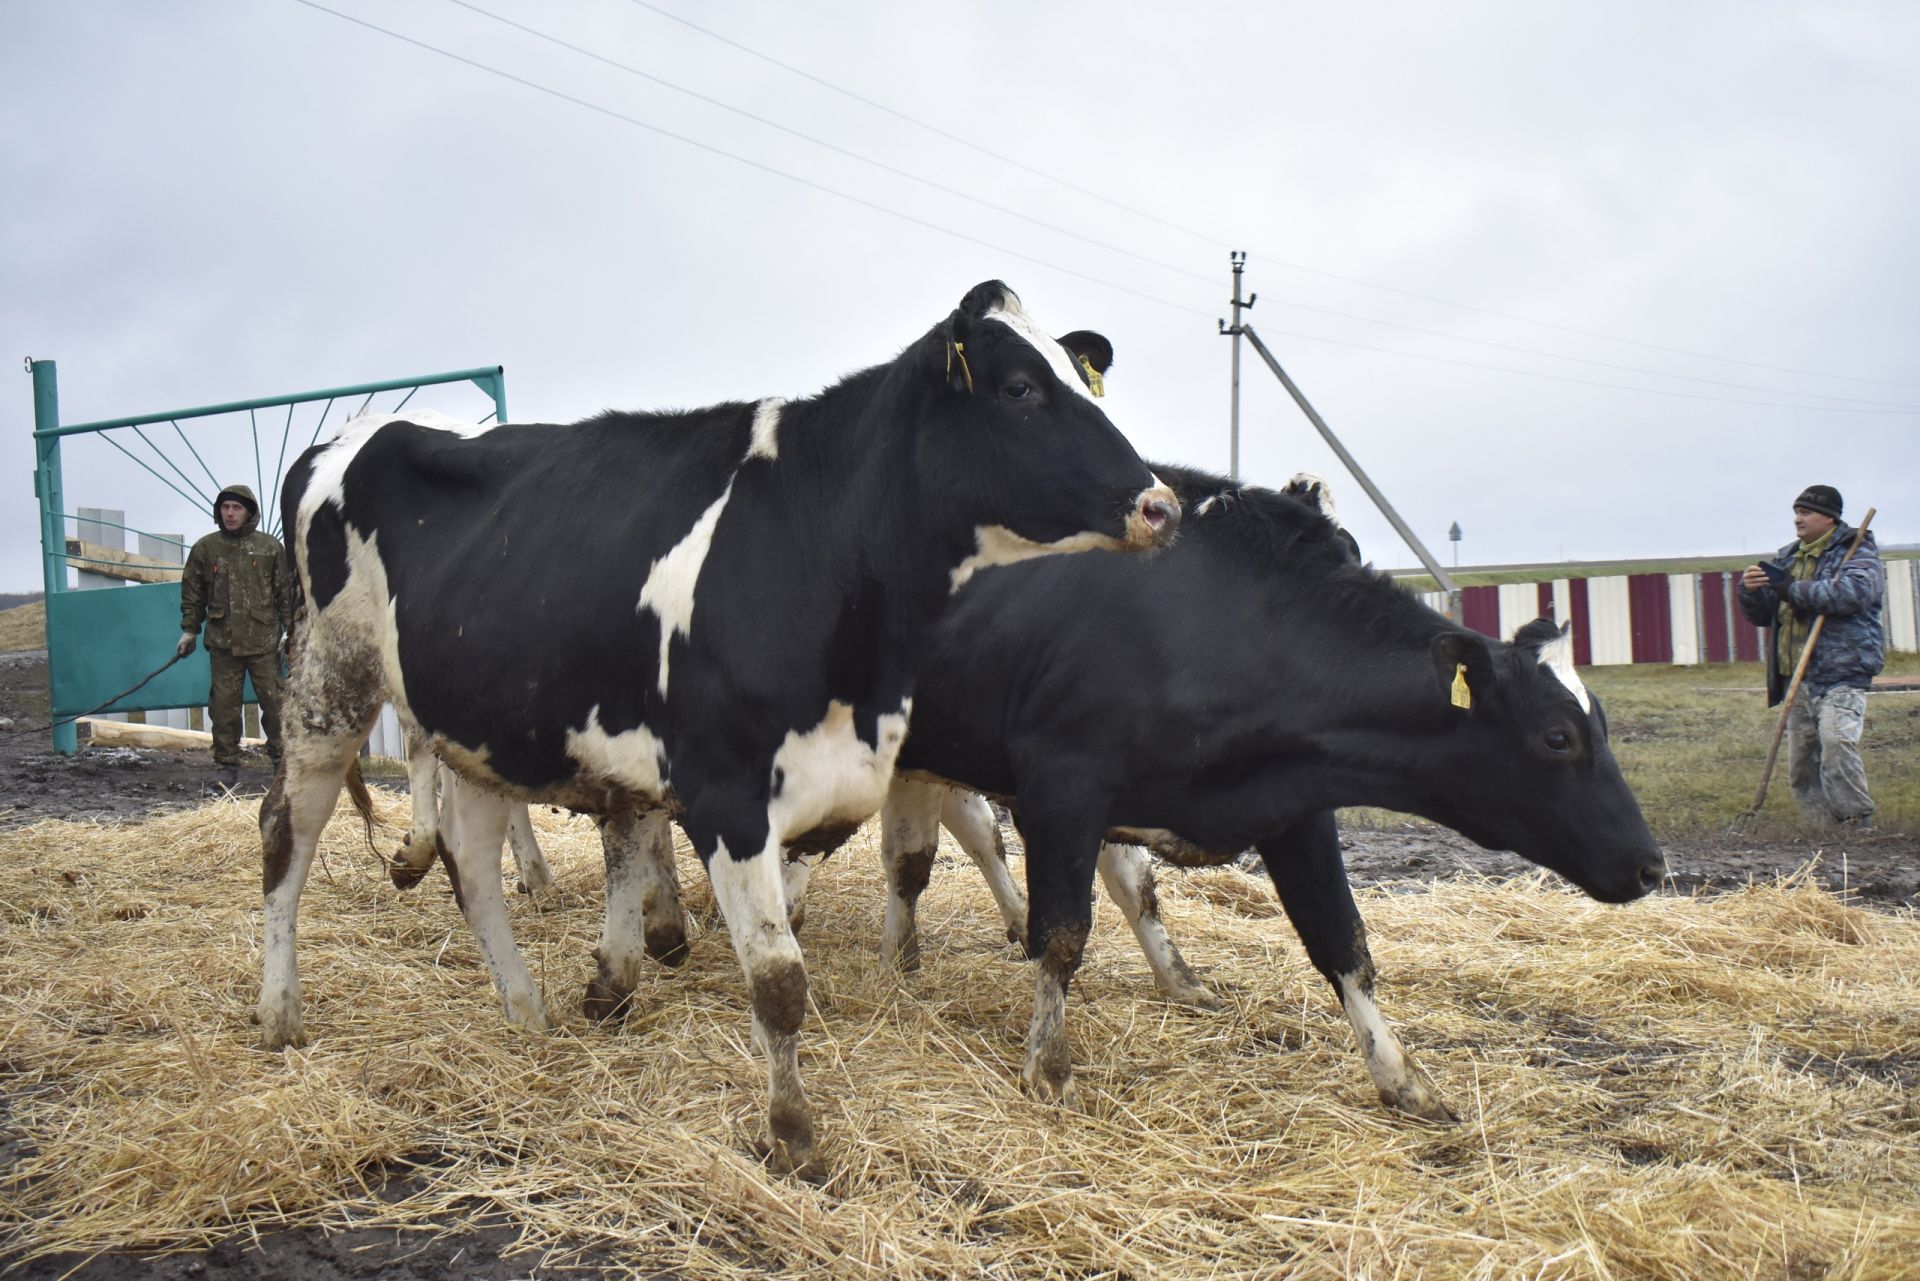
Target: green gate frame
(101, 642)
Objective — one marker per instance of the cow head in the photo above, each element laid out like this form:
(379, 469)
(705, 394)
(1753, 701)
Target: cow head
(1529, 769)
(1016, 446)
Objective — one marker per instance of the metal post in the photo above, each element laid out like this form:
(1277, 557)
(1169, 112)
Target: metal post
(53, 501)
(1379, 499)
(1239, 260)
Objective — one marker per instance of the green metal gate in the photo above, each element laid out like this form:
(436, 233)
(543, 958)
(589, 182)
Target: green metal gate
(102, 642)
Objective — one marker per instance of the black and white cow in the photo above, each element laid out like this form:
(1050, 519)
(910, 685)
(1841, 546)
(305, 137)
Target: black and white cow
(1231, 693)
(719, 611)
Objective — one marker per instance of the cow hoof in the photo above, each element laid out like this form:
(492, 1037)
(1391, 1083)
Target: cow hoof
(669, 947)
(1043, 1087)
(279, 1033)
(403, 874)
(1420, 1102)
(604, 1002)
(1196, 998)
(792, 1156)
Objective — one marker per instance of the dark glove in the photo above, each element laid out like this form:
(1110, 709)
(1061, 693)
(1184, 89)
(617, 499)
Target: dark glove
(1777, 578)
(187, 642)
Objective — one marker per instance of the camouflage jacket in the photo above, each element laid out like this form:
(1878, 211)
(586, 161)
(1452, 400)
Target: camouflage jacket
(1852, 646)
(237, 584)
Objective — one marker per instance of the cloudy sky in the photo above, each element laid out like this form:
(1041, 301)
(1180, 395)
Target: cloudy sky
(1591, 280)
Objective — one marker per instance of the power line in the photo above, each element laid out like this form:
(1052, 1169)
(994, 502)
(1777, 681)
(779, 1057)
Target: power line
(1148, 259)
(1214, 240)
(764, 168)
(1052, 266)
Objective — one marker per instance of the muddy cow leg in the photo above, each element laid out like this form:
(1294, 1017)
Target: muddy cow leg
(473, 861)
(1311, 877)
(970, 818)
(909, 834)
(413, 860)
(1127, 872)
(321, 735)
(743, 857)
(536, 878)
(643, 907)
(1061, 830)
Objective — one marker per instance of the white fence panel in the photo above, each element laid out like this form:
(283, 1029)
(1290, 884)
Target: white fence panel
(1609, 620)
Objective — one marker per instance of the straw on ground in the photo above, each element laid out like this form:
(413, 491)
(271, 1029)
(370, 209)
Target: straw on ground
(1677, 1088)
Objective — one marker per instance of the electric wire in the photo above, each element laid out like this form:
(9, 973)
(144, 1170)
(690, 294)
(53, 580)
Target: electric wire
(1080, 275)
(1215, 240)
(1148, 259)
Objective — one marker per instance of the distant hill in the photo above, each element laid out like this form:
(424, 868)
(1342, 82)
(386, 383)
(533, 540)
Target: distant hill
(13, 600)
(23, 627)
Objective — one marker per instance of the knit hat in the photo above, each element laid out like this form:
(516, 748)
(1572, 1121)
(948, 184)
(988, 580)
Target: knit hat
(1824, 499)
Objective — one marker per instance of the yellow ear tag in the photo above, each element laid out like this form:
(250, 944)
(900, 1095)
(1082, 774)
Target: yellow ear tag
(1094, 382)
(960, 349)
(1462, 696)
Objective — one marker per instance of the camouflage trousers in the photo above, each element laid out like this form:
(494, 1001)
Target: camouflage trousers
(223, 700)
(1823, 754)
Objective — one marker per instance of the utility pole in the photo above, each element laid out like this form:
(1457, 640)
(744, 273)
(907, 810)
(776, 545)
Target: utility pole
(1238, 258)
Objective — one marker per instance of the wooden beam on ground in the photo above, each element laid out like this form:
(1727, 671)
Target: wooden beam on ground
(124, 734)
(110, 562)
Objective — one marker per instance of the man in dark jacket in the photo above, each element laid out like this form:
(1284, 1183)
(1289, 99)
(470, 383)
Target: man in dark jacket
(1808, 578)
(236, 582)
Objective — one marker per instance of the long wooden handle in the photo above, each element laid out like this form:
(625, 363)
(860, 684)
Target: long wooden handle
(1800, 672)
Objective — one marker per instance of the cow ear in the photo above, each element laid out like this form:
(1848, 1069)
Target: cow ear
(942, 357)
(1463, 666)
(1084, 344)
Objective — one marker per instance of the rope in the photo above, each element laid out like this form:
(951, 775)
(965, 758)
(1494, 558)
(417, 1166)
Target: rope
(43, 729)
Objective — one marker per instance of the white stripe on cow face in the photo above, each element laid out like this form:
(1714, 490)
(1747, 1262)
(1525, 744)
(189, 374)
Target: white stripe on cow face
(998, 545)
(1557, 657)
(1009, 313)
(766, 429)
(632, 757)
(670, 580)
(830, 775)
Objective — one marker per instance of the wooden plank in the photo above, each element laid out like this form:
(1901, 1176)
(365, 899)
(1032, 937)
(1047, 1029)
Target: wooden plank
(124, 734)
(110, 562)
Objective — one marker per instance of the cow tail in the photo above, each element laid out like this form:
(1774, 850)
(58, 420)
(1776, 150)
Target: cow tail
(362, 802)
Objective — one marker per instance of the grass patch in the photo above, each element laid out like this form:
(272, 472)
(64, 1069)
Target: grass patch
(23, 627)
(1692, 741)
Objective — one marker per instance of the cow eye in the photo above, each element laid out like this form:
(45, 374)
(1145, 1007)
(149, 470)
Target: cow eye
(1558, 740)
(1017, 389)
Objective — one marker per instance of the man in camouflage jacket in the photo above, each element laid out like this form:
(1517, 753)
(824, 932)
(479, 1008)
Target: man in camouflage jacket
(1808, 578)
(236, 582)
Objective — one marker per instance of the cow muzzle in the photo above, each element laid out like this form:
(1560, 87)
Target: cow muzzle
(1154, 520)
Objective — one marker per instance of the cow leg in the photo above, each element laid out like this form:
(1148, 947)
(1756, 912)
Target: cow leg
(536, 877)
(643, 907)
(751, 897)
(327, 717)
(473, 862)
(1308, 872)
(413, 860)
(1127, 872)
(795, 873)
(970, 818)
(1063, 846)
(909, 834)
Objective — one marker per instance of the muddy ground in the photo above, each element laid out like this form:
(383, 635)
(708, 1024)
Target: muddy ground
(123, 784)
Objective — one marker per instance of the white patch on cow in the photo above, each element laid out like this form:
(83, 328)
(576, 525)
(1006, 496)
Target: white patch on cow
(327, 478)
(998, 545)
(1401, 1082)
(766, 429)
(1206, 504)
(1058, 358)
(1127, 872)
(1313, 485)
(670, 580)
(632, 758)
(828, 774)
(1557, 657)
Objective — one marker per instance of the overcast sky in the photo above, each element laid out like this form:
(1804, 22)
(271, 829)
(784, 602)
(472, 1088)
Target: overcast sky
(1592, 280)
